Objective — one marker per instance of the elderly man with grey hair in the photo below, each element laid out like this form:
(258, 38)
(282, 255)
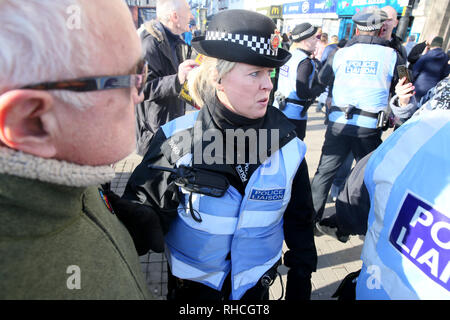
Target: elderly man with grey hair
(68, 85)
(167, 56)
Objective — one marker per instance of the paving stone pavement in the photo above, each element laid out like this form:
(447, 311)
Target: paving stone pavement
(335, 259)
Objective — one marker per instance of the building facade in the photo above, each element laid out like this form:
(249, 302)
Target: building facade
(142, 10)
(429, 18)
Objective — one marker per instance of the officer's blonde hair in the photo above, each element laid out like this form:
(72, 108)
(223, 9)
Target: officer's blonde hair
(202, 80)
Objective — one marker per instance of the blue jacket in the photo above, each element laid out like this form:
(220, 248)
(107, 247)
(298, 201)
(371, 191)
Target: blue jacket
(406, 249)
(429, 70)
(287, 85)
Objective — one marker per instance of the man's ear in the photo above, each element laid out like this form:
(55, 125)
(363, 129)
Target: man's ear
(174, 17)
(23, 117)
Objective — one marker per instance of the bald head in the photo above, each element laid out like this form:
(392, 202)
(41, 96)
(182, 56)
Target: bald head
(390, 24)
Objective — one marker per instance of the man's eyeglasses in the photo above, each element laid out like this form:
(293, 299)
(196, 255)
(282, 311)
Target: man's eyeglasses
(99, 83)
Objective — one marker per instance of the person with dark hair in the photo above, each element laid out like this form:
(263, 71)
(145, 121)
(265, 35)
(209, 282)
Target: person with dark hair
(237, 174)
(416, 52)
(285, 42)
(431, 68)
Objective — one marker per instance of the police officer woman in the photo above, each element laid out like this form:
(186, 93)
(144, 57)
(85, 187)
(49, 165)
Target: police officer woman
(237, 161)
(297, 82)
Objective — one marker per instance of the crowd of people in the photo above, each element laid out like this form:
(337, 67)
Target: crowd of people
(221, 189)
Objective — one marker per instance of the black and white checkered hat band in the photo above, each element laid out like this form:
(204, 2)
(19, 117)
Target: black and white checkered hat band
(371, 27)
(304, 33)
(260, 45)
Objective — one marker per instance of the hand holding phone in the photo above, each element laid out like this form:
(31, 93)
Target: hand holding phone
(404, 90)
(402, 72)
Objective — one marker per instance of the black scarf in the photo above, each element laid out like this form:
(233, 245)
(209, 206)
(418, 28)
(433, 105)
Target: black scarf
(226, 120)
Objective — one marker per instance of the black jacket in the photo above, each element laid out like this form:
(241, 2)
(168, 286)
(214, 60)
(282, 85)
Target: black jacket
(303, 89)
(161, 91)
(353, 202)
(153, 187)
(396, 44)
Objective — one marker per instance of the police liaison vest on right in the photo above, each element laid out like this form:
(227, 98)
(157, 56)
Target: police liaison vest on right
(363, 71)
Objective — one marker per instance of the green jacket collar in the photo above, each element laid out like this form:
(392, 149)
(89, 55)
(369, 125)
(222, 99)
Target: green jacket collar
(41, 196)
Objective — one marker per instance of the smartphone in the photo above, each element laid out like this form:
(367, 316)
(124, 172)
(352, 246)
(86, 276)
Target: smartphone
(403, 72)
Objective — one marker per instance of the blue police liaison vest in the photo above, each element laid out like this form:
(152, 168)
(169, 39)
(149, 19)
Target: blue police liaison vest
(407, 246)
(363, 75)
(287, 85)
(248, 228)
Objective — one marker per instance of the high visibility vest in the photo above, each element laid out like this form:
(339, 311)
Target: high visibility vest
(287, 85)
(363, 75)
(238, 234)
(406, 251)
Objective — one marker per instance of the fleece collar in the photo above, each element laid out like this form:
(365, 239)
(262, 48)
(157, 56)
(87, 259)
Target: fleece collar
(27, 166)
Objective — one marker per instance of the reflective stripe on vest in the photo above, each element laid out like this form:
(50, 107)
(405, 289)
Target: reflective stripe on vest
(406, 251)
(179, 124)
(363, 75)
(249, 226)
(287, 85)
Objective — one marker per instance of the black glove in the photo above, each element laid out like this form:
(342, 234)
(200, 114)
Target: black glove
(298, 286)
(141, 221)
(347, 289)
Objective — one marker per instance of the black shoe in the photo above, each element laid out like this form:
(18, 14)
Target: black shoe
(333, 232)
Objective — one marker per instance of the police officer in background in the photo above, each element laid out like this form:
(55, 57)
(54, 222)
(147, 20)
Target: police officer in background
(362, 74)
(297, 82)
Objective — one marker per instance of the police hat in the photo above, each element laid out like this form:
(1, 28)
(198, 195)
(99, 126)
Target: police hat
(242, 36)
(303, 31)
(370, 19)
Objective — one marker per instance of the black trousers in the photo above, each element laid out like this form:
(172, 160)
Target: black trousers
(191, 291)
(334, 152)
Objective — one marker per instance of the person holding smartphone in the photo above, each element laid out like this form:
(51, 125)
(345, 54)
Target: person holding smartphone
(404, 103)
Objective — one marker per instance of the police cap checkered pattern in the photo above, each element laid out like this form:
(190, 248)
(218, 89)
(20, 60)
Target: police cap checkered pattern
(242, 36)
(303, 31)
(370, 19)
